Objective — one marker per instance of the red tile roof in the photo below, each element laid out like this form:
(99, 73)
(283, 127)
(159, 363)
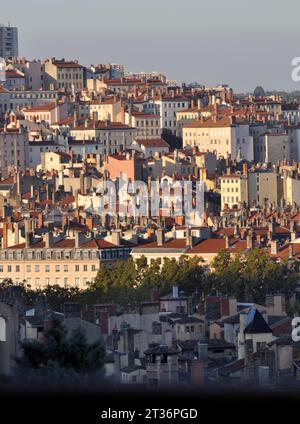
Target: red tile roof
(157, 142)
(47, 107)
(102, 125)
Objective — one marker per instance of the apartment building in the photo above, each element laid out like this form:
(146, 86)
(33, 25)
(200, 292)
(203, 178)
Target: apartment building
(14, 148)
(124, 165)
(104, 137)
(147, 124)
(8, 41)
(291, 191)
(19, 99)
(151, 148)
(234, 190)
(187, 115)
(107, 109)
(265, 187)
(14, 80)
(257, 130)
(61, 261)
(223, 136)
(167, 107)
(293, 132)
(48, 113)
(273, 147)
(32, 70)
(64, 75)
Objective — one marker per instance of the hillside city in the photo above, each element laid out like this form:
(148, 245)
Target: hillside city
(199, 289)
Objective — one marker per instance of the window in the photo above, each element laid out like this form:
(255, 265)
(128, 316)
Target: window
(66, 282)
(17, 268)
(77, 282)
(47, 268)
(85, 268)
(77, 268)
(66, 268)
(9, 268)
(1, 268)
(37, 268)
(57, 268)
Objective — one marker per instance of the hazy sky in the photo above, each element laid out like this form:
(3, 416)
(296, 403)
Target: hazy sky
(243, 43)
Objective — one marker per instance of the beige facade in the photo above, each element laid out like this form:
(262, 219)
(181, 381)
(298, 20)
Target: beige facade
(109, 137)
(147, 125)
(219, 136)
(264, 188)
(291, 189)
(60, 74)
(68, 262)
(49, 113)
(234, 190)
(107, 109)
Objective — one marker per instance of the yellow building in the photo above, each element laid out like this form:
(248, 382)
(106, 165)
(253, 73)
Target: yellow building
(107, 109)
(65, 262)
(234, 190)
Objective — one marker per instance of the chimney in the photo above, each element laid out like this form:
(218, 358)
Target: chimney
(227, 244)
(271, 227)
(236, 230)
(175, 292)
(5, 236)
(189, 238)
(28, 238)
(40, 219)
(95, 119)
(292, 226)
(249, 242)
(32, 190)
(48, 239)
(160, 237)
(116, 237)
(293, 236)
(274, 247)
(77, 239)
(291, 250)
(245, 169)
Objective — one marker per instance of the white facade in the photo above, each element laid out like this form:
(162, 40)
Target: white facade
(167, 108)
(14, 100)
(220, 137)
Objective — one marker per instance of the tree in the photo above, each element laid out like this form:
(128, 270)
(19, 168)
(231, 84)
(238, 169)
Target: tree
(251, 276)
(68, 354)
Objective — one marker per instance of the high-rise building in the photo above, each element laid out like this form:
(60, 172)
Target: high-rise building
(8, 41)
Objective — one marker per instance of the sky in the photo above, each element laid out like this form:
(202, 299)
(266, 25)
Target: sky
(243, 43)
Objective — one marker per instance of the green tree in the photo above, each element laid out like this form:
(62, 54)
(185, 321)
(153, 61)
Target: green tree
(59, 351)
